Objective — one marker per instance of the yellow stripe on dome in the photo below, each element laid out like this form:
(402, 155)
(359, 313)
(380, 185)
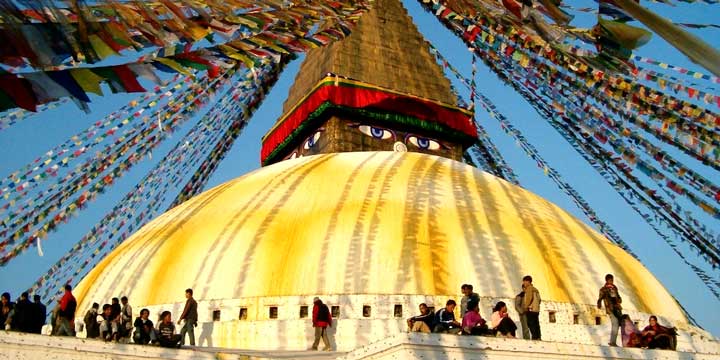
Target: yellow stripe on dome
(369, 223)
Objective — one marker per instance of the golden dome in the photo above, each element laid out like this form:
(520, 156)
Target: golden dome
(369, 223)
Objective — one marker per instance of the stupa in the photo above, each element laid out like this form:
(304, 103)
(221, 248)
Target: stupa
(364, 202)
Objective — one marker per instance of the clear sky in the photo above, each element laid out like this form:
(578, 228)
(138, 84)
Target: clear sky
(31, 137)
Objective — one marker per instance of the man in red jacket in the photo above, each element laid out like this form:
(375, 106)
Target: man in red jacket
(66, 314)
(321, 319)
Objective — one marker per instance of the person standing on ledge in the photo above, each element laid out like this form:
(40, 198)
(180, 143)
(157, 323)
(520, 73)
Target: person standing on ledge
(521, 313)
(610, 296)
(531, 302)
(321, 320)
(468, 295)
(66, 314)
(40, 313)
(92, 327)
(190, 316)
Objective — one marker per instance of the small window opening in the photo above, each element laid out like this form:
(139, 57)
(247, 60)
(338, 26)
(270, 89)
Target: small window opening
(397, 311)
(303, 311)
(576, 319)
(551, 317)
(273, 312)
(598, 320)
(367, 311)
(243, 314)
(335, 311)
(216, 315)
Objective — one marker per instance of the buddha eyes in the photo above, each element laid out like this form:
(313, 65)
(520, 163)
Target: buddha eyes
(378, 133)
(423, 143)
(384, 134)
(312, 140)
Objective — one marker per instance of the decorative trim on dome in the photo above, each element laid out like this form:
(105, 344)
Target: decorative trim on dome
(327, 108)
(351, 94)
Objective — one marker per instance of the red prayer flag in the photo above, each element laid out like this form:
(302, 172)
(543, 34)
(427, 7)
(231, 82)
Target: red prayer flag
(19, 90)
(128, 79)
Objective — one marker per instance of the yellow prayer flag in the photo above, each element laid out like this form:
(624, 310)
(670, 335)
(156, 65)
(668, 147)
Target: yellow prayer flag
(173, 65)
(88, 80)
(101, 48)
(198, 33)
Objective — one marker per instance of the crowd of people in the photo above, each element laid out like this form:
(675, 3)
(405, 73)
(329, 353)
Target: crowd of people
(114, 323)
(653, 336)
(527, 305)
(22, 315)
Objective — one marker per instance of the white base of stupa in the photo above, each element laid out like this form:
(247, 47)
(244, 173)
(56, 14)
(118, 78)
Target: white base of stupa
(353, 328)
(20, 346)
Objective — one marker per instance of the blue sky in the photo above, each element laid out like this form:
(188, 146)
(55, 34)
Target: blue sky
(29, 138)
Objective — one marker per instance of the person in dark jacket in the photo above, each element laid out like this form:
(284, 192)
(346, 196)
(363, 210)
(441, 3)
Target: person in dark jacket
(190, 316)
(108, 327)
(321, 320)
(23, 316)
(39, 314)
(116, 317)
(144, 330)
(6, 310)
(92, 327)
(610, 297)
(531, 302)
(166, 331)
(445, 319)
(521, 310)
(423, 322)
(468, 295)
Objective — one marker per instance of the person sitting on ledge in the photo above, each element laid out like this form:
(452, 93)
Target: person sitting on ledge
(656, 336)
(631, 336)
(500, 321)
(166, 331)
(423, 322)
(472, 322)
(144, 330)
(108, 327)
(445, 319)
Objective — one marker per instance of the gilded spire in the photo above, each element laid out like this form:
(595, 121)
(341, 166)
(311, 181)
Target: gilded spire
(385, 49)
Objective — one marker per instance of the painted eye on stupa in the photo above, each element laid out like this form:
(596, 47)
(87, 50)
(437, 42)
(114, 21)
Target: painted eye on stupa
(376, 132)
(312, 140)
(293, 155)
(423, 143)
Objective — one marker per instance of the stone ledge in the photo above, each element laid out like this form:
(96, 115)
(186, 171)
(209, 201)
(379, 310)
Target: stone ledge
(22, 346)
(437, 346)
